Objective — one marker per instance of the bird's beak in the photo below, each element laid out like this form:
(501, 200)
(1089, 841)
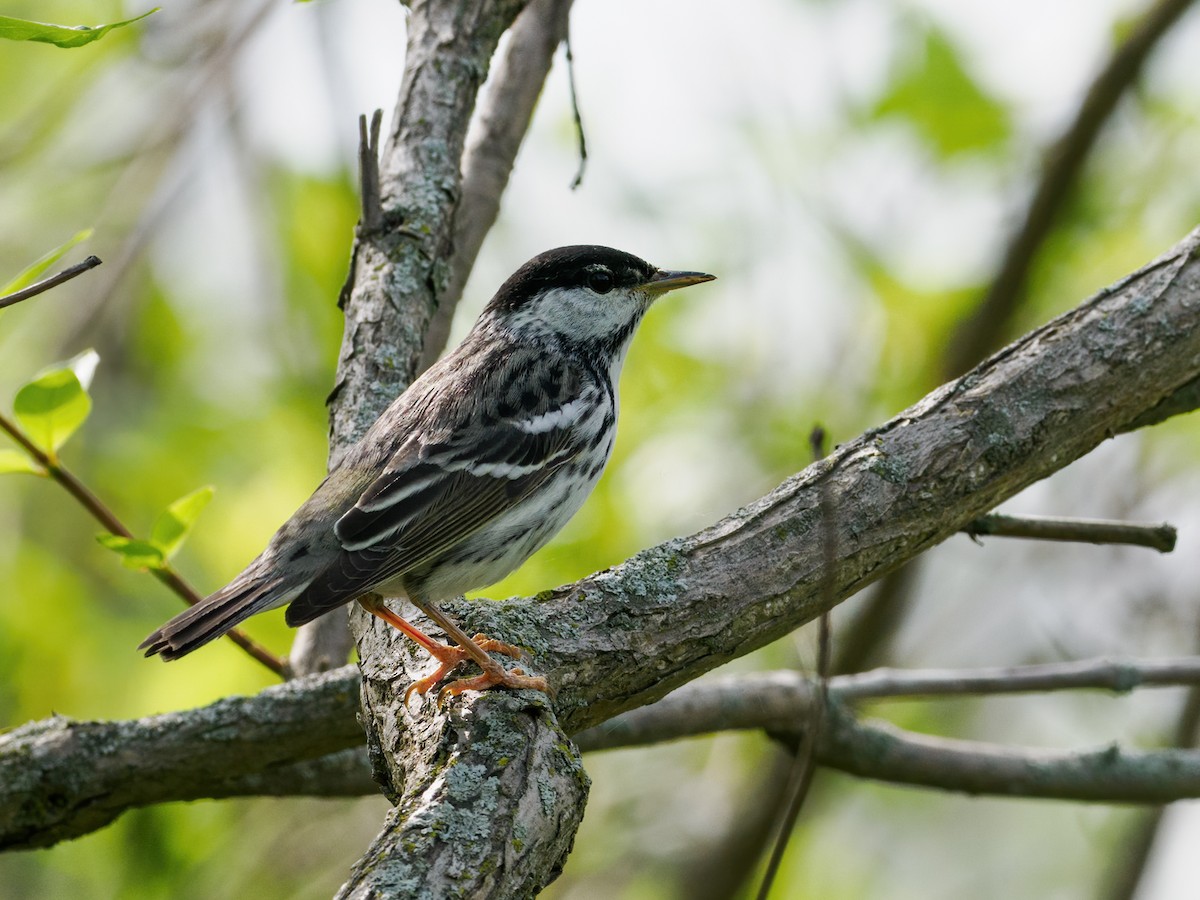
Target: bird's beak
(661, 281)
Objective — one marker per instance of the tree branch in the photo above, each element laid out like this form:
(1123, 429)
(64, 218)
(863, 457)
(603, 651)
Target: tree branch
(776, 701)
(60, 779)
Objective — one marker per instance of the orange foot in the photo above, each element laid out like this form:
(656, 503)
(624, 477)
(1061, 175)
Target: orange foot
(449, 658)
(500, 677)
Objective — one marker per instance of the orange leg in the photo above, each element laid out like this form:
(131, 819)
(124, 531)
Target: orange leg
(449, 658)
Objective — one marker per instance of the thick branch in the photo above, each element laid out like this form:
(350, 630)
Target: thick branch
(60, 779)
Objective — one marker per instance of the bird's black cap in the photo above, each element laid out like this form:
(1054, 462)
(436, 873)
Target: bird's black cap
(571, 266)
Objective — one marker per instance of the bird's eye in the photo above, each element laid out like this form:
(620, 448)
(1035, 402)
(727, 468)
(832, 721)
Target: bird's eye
(600, 281)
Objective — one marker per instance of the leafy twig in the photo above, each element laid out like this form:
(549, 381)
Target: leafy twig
(106, 517)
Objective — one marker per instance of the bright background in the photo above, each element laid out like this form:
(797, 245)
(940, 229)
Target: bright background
(849, 169)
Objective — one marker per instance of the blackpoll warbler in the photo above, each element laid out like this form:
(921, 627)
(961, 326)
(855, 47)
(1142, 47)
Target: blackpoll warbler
(469, 471)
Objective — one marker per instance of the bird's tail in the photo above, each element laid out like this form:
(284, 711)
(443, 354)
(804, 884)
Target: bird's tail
(245, 596)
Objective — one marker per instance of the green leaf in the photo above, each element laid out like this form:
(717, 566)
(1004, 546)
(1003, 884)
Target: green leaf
(935, 93)
(59, 35)
(134, 553)
(16, 461)
(51, 407)
(35, 270)
(173, 525)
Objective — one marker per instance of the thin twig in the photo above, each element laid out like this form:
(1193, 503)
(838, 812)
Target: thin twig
(53, 281)
(804, 764)
(583, 154)
(1086, 531)
(1116, 675)
(106, 517)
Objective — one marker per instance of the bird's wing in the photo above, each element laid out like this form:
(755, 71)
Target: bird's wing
(445, 483)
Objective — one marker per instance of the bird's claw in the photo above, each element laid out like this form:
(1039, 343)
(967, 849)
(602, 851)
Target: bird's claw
(450, 658)
(516, 679)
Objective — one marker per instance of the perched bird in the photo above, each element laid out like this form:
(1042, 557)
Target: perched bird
(468, 472)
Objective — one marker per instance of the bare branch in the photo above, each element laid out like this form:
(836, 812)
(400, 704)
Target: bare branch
(576, 115)
(46, 283)
(1118, 676)
(94, 771)
(368, 171)
(1086, 531)
(882, 752)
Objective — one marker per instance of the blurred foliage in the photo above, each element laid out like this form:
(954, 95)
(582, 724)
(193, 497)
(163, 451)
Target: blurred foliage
(931, 90)
(215, 318)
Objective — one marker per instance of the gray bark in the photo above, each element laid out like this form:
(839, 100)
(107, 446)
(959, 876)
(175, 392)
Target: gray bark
(60, 779)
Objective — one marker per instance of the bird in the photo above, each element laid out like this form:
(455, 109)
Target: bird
(474, 467)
